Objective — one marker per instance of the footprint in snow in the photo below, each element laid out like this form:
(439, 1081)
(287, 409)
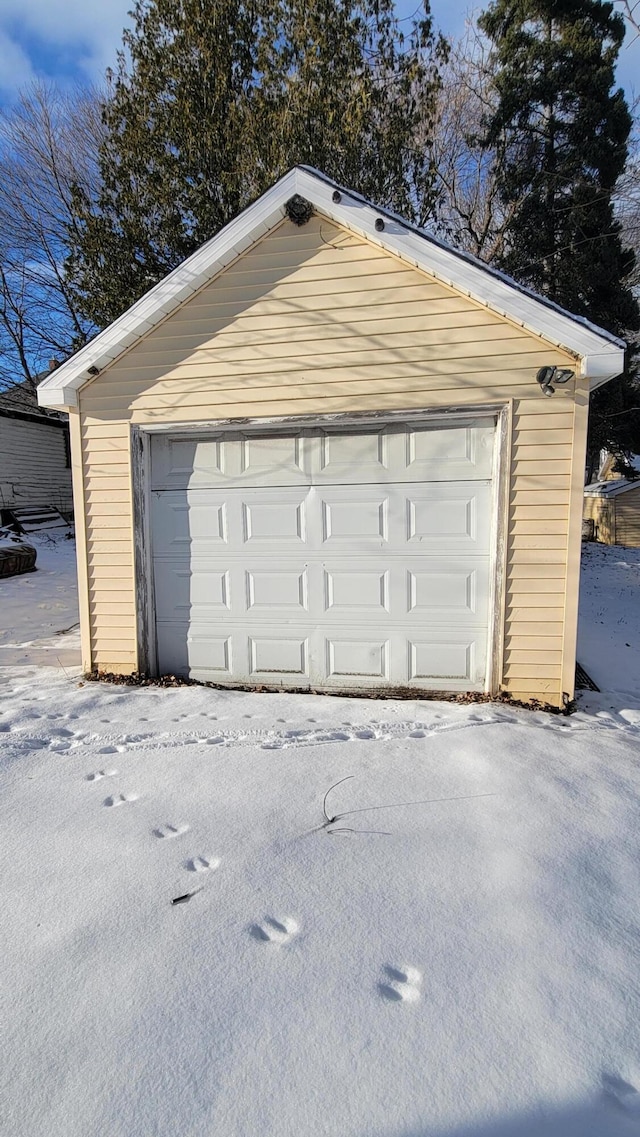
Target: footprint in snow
(167, 831)
(402, 984)
(120, 799)
(272, 931)
(622, 1094)
(95, 777)
(202, 864)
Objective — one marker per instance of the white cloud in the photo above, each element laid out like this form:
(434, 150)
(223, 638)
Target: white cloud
(15, 66)
(92, 29)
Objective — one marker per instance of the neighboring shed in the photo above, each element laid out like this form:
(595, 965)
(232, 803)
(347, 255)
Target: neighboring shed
(318, 456)
(614, 508)
(607, 471)
(35, 464)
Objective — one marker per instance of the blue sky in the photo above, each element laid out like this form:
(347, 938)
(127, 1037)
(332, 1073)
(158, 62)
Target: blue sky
(75, 40)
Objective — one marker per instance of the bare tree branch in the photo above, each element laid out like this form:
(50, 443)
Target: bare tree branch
(48, 142)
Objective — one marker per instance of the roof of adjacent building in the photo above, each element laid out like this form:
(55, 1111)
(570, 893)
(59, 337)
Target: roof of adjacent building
(21, 401)
(599, 355)
(611, 488)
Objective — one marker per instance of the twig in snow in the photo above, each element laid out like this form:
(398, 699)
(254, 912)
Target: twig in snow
(370, 808)
(345, 829)
(185, 896)
(330, 820)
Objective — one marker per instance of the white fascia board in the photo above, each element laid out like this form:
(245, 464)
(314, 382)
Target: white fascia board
(600, 358)
(60, 388)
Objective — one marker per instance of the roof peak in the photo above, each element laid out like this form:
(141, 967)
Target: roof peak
(601, 356)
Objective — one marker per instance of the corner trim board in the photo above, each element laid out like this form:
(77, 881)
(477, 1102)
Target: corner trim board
(497, 600)
(143, 561)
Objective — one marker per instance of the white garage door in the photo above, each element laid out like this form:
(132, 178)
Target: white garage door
(325, 559)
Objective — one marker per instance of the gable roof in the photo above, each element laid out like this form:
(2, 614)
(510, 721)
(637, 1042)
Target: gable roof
(612, 488)
(601, 355)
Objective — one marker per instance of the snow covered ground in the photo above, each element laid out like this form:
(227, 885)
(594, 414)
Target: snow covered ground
(609, 630)
(455, 954)
(39, 610)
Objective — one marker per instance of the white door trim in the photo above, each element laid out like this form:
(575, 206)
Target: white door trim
(141, 479)
(289, 424)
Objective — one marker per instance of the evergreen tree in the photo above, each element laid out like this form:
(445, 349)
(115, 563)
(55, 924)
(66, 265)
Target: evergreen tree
(215, 99)
(560, 130)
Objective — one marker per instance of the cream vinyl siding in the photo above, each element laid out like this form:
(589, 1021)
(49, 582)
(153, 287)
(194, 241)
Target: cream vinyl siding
(316, 321)
(616, 518)
(33, 465)
(601, 511)
(627, 507)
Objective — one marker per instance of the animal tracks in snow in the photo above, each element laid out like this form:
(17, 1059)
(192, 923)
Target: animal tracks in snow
(166, 832)
(99, 774)
(272, 931)
(622, 1094)
(120, 799)
(401, 985)
(202, 864)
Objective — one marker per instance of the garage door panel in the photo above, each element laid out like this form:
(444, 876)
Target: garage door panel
(285, 655)
(278, 521)
(447, 592)
(205, 655)
(357, 517)
(433, 659)
(356, 577)
(351, 656)
(361, 590)
(180, 520)
(231, 460)
(362, 457)
(184, 592)
(179, 461)
(449, 516)
(374, 455)
(404, 453)
(398, 592)
(268, 590)
(450, 453)
(356, 656)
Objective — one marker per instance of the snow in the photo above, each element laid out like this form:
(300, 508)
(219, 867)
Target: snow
(609, 628)
(455, 953)
(39, 610)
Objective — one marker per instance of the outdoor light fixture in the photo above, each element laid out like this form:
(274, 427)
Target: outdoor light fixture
(298, 209)
(93, 370)
(336, 196)
(548, 375)
(379, 224)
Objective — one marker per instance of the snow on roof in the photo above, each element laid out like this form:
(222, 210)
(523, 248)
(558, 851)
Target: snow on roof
(600, 355)
(611, 488)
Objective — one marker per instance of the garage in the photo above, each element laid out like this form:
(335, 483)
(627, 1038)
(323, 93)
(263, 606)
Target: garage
(325, 558)
(330, 452)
